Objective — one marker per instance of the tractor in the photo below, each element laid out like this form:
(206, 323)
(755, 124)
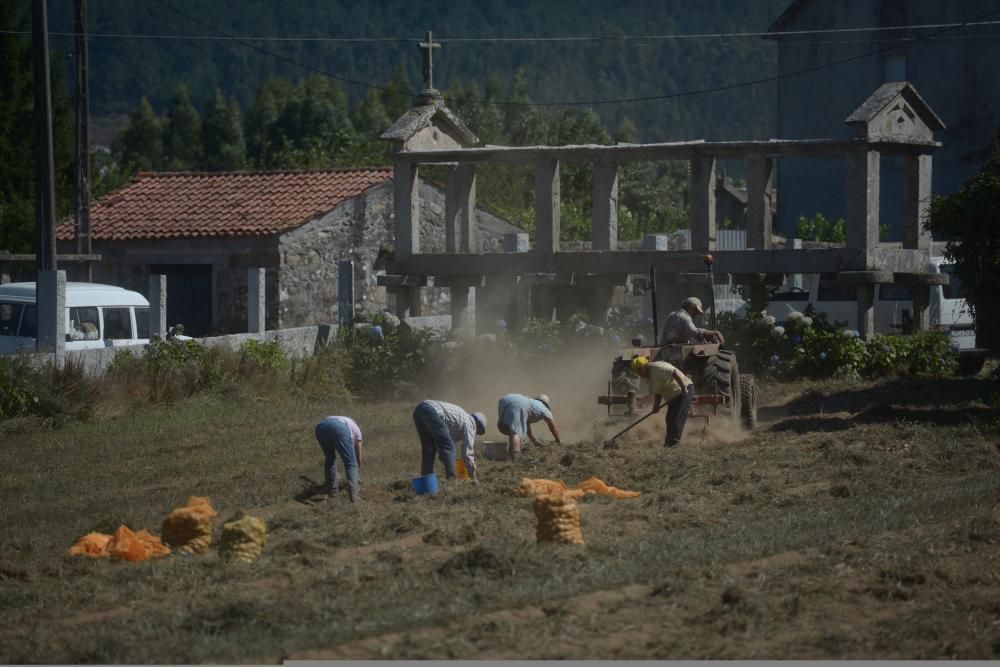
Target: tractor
(720, 388)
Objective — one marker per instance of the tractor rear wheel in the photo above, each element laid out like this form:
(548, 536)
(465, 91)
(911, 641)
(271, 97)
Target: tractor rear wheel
(748, 392)
(721, 375)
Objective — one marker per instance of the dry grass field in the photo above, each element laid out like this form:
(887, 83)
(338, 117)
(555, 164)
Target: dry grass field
(858, 521)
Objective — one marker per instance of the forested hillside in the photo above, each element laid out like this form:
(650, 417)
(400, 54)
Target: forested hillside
(176, 93)
(123, 69)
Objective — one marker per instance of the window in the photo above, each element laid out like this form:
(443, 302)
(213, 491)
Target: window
(831, 290)
(117, 323)
(894, 293)
(10, 313)
(29, 323)
(953, 290)
(84, 323)
(895, 68)
(142, 322)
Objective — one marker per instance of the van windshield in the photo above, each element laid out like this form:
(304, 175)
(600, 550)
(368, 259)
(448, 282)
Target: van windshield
(29, 323)
(10, 314)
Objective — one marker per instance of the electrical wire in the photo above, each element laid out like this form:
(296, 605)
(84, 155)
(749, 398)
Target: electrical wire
(501, 40)
(942, 28)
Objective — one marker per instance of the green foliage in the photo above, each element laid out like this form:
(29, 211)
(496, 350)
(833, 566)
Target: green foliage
(968, 220)
(222, 135)
(383, 358)
(807, 345)
(51, 392)
(17, 162)
(818, 228)
(267, 356)
(182, 133)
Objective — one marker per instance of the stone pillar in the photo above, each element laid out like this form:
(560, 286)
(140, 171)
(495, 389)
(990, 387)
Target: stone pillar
(703, 203)
(516, 242)
(796, 278)
(460, 210)
(921, 307)
(866, 310)
(406, 208)
(157, 307)
(256, 307)
(604, 209)
(758, 207)
(407, 302)
(863, 202)
(345, 291)
(916, 201)
(51, 301)
(520, 294)
(547, 206)
(460, 308)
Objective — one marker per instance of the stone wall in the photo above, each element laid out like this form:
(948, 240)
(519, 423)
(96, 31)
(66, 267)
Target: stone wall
(362, 230)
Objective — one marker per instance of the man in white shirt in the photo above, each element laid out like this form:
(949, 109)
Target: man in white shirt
(679, 326)
(444, 428)
(341, 435)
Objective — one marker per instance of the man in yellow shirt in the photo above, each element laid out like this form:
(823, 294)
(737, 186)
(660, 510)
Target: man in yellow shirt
(671, 387)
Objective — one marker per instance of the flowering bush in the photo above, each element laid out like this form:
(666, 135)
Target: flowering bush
(807, 344)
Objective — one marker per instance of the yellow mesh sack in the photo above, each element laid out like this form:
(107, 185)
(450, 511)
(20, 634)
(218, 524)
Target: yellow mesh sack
(594, 485)
(135, 546)
(242, 541)
(188, 528)
(558, 518)
(94, 545)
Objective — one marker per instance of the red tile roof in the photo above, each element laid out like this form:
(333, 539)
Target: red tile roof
(193, 204)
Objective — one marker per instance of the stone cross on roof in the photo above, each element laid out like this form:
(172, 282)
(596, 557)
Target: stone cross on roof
(427, 47)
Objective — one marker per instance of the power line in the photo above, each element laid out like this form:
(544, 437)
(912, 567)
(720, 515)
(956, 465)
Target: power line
(944, 28)
(223, 36)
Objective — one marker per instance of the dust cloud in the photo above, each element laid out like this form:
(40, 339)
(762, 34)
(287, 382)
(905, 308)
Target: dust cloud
(573, 377)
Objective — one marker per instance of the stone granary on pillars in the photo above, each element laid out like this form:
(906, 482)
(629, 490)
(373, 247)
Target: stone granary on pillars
(894, 121)
(204, 231)
(946, 50)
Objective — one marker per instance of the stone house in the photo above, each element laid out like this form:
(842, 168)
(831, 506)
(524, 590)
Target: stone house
(952, 65)
(205, 230)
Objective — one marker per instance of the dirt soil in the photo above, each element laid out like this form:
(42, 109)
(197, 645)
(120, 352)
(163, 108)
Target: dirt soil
(858, 521)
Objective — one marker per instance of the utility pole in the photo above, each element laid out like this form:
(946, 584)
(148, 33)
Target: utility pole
(45, 246)
(82, 175)
(50, 284)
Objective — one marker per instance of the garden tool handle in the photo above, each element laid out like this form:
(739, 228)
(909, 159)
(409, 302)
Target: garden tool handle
(631, 426)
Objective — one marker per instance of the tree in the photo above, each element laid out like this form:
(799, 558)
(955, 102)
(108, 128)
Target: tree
(222, 135)
(397, 96)
(970, 221)
(267, 107)
(182, 134)
(17, 161)
(139, 147)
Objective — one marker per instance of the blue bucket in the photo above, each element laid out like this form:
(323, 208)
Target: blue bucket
(426, 485)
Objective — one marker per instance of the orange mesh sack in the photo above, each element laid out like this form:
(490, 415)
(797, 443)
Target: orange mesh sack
(94, 545)
(243, 540)
(534, 487)
(558, 518)
(594, 485)
(131, 546)
(188, 528)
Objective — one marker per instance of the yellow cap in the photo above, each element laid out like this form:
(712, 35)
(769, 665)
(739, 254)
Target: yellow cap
(639, 362)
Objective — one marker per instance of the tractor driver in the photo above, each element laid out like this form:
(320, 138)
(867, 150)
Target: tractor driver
(679, 326)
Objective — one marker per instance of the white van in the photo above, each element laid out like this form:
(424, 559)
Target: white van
(893, 305)
(96, 316)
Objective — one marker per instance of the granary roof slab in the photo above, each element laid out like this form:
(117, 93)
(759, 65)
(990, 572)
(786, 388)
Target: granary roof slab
(884, 96)
(420, 117)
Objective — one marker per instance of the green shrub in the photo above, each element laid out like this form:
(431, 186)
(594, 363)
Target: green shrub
(382, 358)
(255, 355)
(18, 387)
(54, 392)
(808, 345)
